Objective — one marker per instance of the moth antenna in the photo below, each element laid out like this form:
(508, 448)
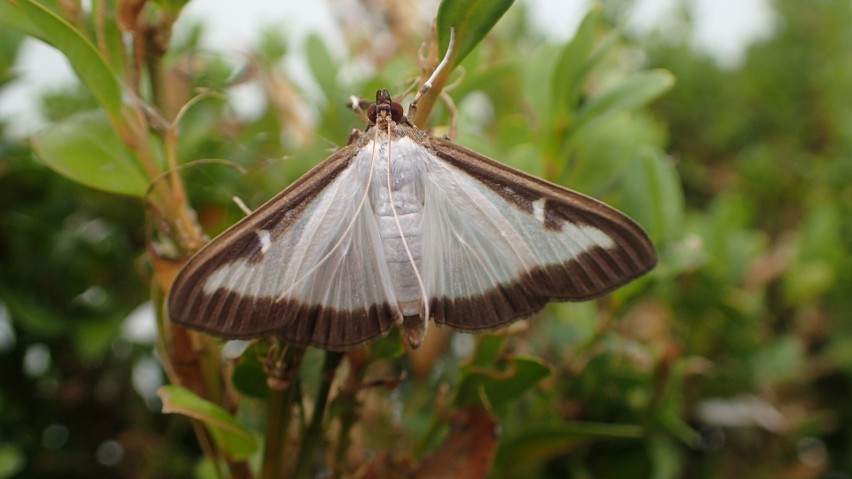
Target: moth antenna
(241, 205)
(427, 85)
(420, 285)
(357, 105)
(348, 226)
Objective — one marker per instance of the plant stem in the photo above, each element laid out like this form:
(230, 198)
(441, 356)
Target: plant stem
(347, 420)
(313, 435)
(348, 406)
(279, 411)
(439, 78)
(278, 415)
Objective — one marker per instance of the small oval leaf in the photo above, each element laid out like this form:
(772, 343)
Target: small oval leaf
(249, 378)
(85, 148)
(12, 459)
(568, 75)
(234, 440)
(323, 66)
(537, 443)
(81, 54)
(653, 195)
(635, 92)
(472, 19)
(499, 387)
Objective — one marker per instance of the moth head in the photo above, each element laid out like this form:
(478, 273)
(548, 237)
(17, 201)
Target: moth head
(384, 109)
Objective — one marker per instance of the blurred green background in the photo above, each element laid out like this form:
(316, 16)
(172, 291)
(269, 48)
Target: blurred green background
(732, 359)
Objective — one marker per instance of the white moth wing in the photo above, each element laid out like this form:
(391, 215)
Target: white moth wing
(296, 267)
(499, 244)
(492, 242)
(317, 257)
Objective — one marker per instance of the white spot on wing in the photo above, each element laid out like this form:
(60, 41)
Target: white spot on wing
(538, 209)
(265, 240)
(586, 237)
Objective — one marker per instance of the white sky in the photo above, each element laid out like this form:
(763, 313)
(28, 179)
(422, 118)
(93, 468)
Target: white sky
(723, 28)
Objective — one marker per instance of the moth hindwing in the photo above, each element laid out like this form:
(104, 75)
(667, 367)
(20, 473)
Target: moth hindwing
(400, 227)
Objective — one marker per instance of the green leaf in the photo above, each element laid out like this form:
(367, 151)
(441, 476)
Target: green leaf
(677, 427)
(652, 194)
(637, 91)
(472, 19)
(488, 349)
(12, 460)
(323, 66)
(13, 17)
(778, 362)
(325, 69)
(499, 387)
(537, 443)
(601, 154)
(34, 317)
(666, 458)
(114, 46)
(249, 378)
(389, 347)
(172, 6)
(569, 75)
(32, 18)
(93, 337)
(85, 148)
(234, 440)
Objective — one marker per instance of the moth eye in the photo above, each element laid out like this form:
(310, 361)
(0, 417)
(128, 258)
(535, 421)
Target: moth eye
(371, 113)
(396, 111)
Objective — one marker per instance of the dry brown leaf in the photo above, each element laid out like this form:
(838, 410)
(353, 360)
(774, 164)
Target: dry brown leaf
(468, 451)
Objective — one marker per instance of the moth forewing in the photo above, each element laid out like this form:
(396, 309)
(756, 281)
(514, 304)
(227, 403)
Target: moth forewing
(554, 206)
(261, 277)
(500, 244)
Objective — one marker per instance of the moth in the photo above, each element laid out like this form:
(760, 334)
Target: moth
(400, 227)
